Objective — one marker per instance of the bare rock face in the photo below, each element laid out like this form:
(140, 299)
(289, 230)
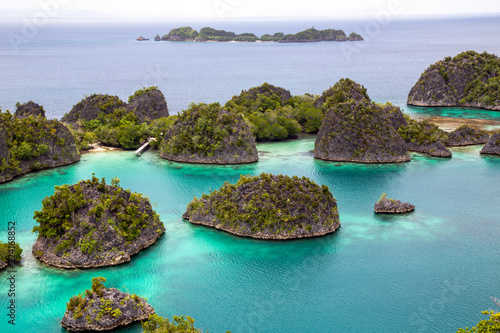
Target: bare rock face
(148, 104)
(469, 79)
(92, 224)
(391, 206)
(466, 136)
(104, 309)
(268, 207)
(90, 107)
(29, 109)
(208, 134)
(492, 147)
(355, 129)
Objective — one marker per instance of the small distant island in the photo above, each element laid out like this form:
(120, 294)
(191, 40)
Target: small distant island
(268, 207)
(207, 34)
(384, 205)
(469, 79)
(92, 224)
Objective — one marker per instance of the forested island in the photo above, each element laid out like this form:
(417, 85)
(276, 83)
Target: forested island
(93, 224)
(469, 79)
(103, 309)
(268, 207)
(209, 134)
(208, 34)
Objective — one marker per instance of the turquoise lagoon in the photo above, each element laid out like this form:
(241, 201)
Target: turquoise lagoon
(429, 271)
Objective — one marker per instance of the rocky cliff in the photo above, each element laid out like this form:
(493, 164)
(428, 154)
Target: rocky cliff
(391, 206)
(492, 147)
(90, 107)
(268, 207)
(148, 104)
(92, 224)
(104, 309)
(469, 79)
(29, 109)
(355, 129)
(211, 135)
(33, 143)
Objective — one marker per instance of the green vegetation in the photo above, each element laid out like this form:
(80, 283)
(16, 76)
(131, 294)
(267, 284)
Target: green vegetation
(280, 206)
(343, 91)
(80, 217)
(142, 92)
(490, 325)
(421, 132)
(211, 34)
(5, 248)
(468, 79)
(311, 35)
(274, 115)
(207, 131)
(157, 324)
(108, 121)
(32, 143)
(484, 88)
(182, 32)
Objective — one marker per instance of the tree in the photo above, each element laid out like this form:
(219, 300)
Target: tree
(157, 324)
(490, 325)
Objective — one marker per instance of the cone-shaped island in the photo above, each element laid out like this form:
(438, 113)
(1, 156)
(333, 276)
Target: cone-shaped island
(208, 134)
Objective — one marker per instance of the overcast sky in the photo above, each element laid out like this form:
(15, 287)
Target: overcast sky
(213, 9)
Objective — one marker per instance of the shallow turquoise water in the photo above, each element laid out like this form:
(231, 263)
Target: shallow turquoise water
(430, 271)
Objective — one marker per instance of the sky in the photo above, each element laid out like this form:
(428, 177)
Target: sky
(240, 9)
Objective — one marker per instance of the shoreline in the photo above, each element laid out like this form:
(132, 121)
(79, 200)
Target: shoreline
(450, 124)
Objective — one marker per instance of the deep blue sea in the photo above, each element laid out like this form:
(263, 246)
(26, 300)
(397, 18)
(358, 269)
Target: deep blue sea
(433, 270)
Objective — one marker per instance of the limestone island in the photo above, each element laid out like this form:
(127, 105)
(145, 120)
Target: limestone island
(268, 207)
(469, 79)
(30, 142)
(271, 114)
(390, 206)
(467, 136)
(107, 120)
(424, 137)
(92, 224)
(208, 34)
(104, 309)
(492, 147)
(355, 129)
(208, 134)
(10, 253)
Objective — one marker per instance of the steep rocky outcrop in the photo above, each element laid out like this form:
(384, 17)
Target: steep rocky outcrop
(391, 206)
(492, 147)
(92, 224)
(148, 104)
(424, 137)
(90, 107)
(354, 37)
(33, 143)
(466, 136)
(469, 79)
(342, 91)
(211, 135)
(268, 207)
(355, 129)
(104, 309)
(29, 109)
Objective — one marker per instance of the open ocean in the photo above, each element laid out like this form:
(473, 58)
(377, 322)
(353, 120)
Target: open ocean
(433, 270)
